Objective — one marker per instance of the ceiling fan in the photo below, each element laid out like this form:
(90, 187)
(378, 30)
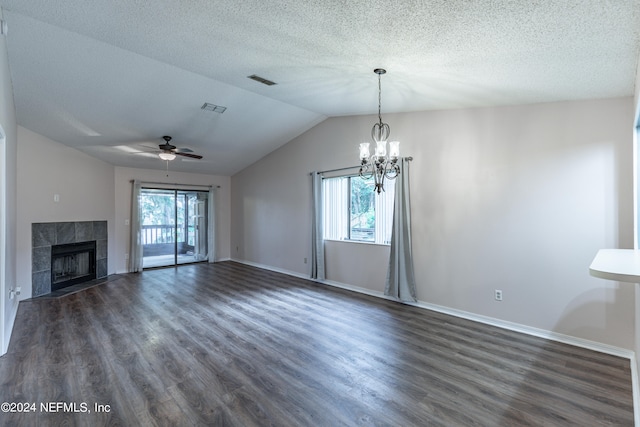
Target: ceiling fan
(169, 152)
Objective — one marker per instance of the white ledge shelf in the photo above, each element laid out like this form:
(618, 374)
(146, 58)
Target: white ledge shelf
(622, 265)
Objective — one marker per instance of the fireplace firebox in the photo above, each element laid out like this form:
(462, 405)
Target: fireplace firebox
(72, 263)
(45, 235)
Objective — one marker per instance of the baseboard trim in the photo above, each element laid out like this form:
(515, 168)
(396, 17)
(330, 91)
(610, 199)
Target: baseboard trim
(8, 329)
(635, 387)
(511, 326)
(529, 330)
(270, 268)
(516, 327)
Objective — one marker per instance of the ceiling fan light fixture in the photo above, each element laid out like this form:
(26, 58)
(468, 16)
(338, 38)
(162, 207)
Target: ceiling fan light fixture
(167, 156)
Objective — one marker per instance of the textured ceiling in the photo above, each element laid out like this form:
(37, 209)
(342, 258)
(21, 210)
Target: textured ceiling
(105, 76)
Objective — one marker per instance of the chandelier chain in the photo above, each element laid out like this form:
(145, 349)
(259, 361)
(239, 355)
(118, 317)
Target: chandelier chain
(379, 100)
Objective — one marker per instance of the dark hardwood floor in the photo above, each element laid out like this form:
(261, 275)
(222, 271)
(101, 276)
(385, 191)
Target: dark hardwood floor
(228, 344)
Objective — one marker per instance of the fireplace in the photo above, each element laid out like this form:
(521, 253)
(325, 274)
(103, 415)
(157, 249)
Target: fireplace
(71, 238)
(72, 263)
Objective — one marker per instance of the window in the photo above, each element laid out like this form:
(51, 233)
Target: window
(353, 211)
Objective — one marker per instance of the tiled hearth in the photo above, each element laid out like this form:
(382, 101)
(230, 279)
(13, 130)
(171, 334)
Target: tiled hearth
(46, 234)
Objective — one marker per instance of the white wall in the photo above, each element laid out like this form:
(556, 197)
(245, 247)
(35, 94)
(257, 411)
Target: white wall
(636, 103)
(514, 198)
(8, 306)
(85, 186)
(123, 187)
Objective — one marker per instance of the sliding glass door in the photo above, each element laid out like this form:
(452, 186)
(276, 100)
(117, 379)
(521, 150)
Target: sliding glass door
(173, 226)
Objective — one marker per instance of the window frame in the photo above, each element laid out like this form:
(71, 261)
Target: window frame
(348, 235)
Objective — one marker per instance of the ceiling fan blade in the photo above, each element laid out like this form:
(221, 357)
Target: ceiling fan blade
(147, 154)
(184, 150)
(193, 156)
(147, 147)
(199, 161)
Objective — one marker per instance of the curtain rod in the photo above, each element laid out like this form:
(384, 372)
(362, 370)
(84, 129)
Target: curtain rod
(176, 183)
(336, 170)
(351, 167)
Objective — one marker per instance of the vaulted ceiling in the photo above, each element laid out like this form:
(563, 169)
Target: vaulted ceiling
(111, 77)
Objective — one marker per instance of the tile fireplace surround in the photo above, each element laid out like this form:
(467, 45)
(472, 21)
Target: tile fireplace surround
(46, 234)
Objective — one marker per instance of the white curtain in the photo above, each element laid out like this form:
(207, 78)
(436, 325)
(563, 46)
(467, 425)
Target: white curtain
(400, 279)
(135, 251)
(211, 225)
(335, 208)
(317, 238)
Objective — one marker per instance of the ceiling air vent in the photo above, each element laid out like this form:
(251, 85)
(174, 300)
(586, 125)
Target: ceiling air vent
(207, 106)
(261, 80)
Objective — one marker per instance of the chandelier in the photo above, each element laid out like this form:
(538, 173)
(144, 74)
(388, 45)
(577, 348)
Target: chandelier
(380, 165)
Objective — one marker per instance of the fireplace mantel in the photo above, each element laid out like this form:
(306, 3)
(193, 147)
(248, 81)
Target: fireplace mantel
(46, 234)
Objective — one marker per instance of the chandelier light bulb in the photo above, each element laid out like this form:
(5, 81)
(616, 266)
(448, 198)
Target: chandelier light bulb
(394, 149)
(364, 151)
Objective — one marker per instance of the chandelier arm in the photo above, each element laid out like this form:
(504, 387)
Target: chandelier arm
(366, 171)
(392, 170)
(380, 132)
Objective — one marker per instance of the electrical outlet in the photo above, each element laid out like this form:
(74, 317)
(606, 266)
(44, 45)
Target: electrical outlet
(305, 260)
(498, 295)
